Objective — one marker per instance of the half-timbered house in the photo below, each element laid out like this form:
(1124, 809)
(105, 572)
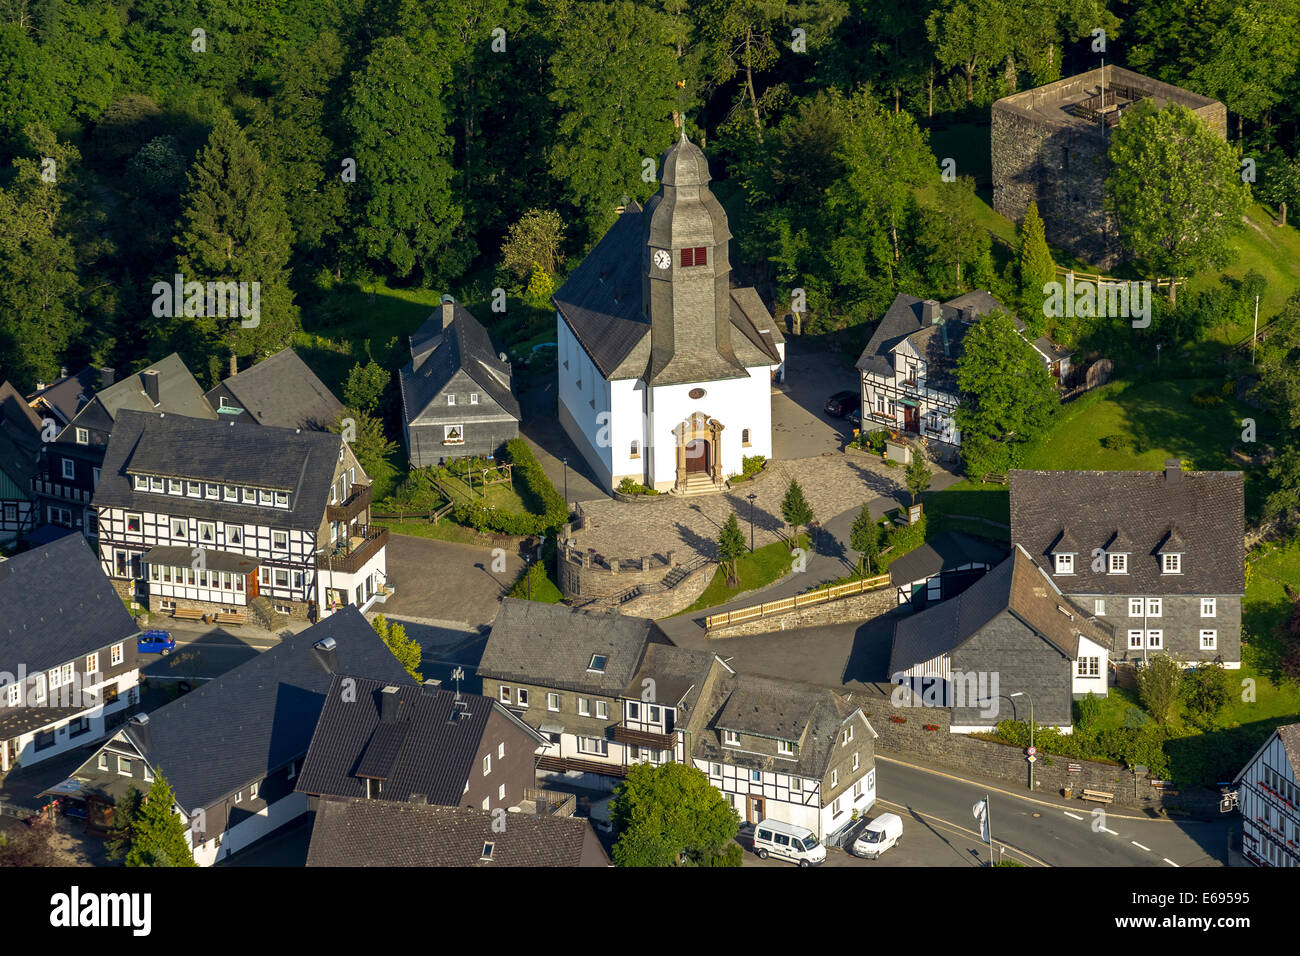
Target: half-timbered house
(1268, 795)
(220, 517)
(68, 671)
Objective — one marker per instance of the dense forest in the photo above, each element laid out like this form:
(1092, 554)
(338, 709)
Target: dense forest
(316, 145)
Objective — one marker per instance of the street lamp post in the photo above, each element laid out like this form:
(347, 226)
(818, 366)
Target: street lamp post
(751, 498)
(566, 486)
(1032, 756)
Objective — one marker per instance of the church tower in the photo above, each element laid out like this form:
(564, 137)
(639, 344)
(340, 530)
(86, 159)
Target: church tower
(686, 288)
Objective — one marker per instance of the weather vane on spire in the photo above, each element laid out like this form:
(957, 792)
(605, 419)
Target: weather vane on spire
(681, 110)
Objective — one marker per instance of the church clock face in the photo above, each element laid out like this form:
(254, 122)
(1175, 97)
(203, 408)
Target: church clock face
(662, 259)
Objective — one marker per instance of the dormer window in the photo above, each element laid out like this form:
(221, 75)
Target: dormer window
(1064, 563)
(1118, 563)
(785, 748)
(1171, 563)
(83, 436)
(451, 399)
(141, 482)
(730, 738)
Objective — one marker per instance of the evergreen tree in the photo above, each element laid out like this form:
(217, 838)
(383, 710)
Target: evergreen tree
(864, 538)
(234, 229)
(126, 813)
(731, 545)
(406, 649)
(160, 838)
(39, 319)
(364, 434)
(796, 511)
(1036, 265)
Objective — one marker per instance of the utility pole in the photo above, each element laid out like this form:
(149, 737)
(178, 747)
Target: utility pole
(1255, 334)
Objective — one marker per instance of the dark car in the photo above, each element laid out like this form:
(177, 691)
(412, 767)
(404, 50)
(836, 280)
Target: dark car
(854, 418)
(841, 403)
(156, 642)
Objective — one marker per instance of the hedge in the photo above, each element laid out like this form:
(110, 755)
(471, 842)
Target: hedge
(547, 507)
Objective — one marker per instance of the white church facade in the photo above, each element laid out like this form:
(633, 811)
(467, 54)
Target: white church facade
(665, 371)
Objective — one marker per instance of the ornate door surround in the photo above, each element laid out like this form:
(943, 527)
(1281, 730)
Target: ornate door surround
(699, 427)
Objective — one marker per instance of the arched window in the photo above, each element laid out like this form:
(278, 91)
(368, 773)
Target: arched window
(636, 449)
(744, 436)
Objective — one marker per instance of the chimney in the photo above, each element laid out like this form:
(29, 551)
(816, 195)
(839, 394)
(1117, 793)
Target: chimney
(63, 371)
(931, 312)
(448, 311)
(140, 724)
(149, 381)
(106, 377)
(1173, 471)
(390, 705)
(327, 653)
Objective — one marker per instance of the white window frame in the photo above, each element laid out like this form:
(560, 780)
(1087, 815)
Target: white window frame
(584, 707)
(504, 694)
(1099, 607)
(487, 764)
(1155, 607)
(1209, 639)
(1171, 563)
(1065, 563)
(451, 398)
(69, 468)
(139, 523)
(1155, 640)
(1117, 563)
(280, 540)
(730, 738)
(115, 654)
(92, 663)
(1087, 667)
(182, 524)
(1209, 607)
(1135, 607)
(1135, 639)
(521, 696)
(602, 709)
(785, 748)
(83, 436)
(473, 398)
(553, 702)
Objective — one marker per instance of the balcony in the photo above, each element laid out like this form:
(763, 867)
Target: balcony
(356, 503)
(349, 557)
(644, 738)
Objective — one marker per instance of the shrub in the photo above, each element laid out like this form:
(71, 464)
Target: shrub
(537, 490)
(1158, 684)
(1118, 442)
(751, 465)
(629, 486)
(1206, 398)
(1206, 691)
(1089, 709)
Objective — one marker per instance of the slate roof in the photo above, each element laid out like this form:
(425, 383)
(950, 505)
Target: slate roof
(259, 716)
(601, 301)
(181, 556)
(1206, 507)
(238, 453)
(68, 395)
(1290, 737)
(57, 605)
(944, 552)
(382, 833)
(1018, 586)
(678, 674)
(283, 392)
(17, 417)
(427, 747)
(18, 462)
(436, 355)
(178, 392)
(552, 645)
(776, 709)
(902, 320)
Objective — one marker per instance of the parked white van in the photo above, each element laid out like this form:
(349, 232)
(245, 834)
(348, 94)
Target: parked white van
(878, 836)
(788, 842)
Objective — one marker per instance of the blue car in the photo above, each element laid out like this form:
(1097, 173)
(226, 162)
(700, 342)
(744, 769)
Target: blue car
(156, 642)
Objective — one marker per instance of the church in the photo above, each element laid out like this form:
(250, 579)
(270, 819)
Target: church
(665, 371)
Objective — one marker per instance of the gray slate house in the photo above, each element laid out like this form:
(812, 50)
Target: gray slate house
(20, 444)
(418, 744)
(280, 391)
(232, 748)
(909, 365)
(1268, 795)
(942, 568)
(610, 692)
(72, 463)
(1011, 632)
(68, 667)
(61, 399)
(378, 833)
(456, 393)
(1158, 555)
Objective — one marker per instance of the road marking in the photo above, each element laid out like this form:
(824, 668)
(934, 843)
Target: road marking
(1169, 861)
(1073, 816)
(975, 837)
(1007, 793)
(1111, 832)
(1140, 846)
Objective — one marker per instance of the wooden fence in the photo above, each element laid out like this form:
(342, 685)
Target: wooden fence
(757, 611)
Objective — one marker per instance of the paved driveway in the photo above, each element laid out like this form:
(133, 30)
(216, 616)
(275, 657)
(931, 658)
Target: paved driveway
(441, 584)
(800, 429)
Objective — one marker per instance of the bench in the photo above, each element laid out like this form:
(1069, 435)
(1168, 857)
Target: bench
(1098, 796)
(228, 618)
(188, 614)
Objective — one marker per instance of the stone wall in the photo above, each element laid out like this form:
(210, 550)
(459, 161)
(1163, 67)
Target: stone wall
(859, 607)
(922, 733)
(585, 576)
(665, 602)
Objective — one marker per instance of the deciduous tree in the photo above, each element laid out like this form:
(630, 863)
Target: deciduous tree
(670, 815)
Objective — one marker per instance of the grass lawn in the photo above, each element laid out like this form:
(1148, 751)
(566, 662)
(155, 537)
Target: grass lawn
(536, 585)
(756, 569)
(501, 495)
(1273, 252)
(971, 498)
(444, 530)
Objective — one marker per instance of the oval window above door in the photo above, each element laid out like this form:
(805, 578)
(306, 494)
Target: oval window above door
(697, 393)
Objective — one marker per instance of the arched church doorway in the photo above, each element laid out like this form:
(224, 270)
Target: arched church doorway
(697, 456)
